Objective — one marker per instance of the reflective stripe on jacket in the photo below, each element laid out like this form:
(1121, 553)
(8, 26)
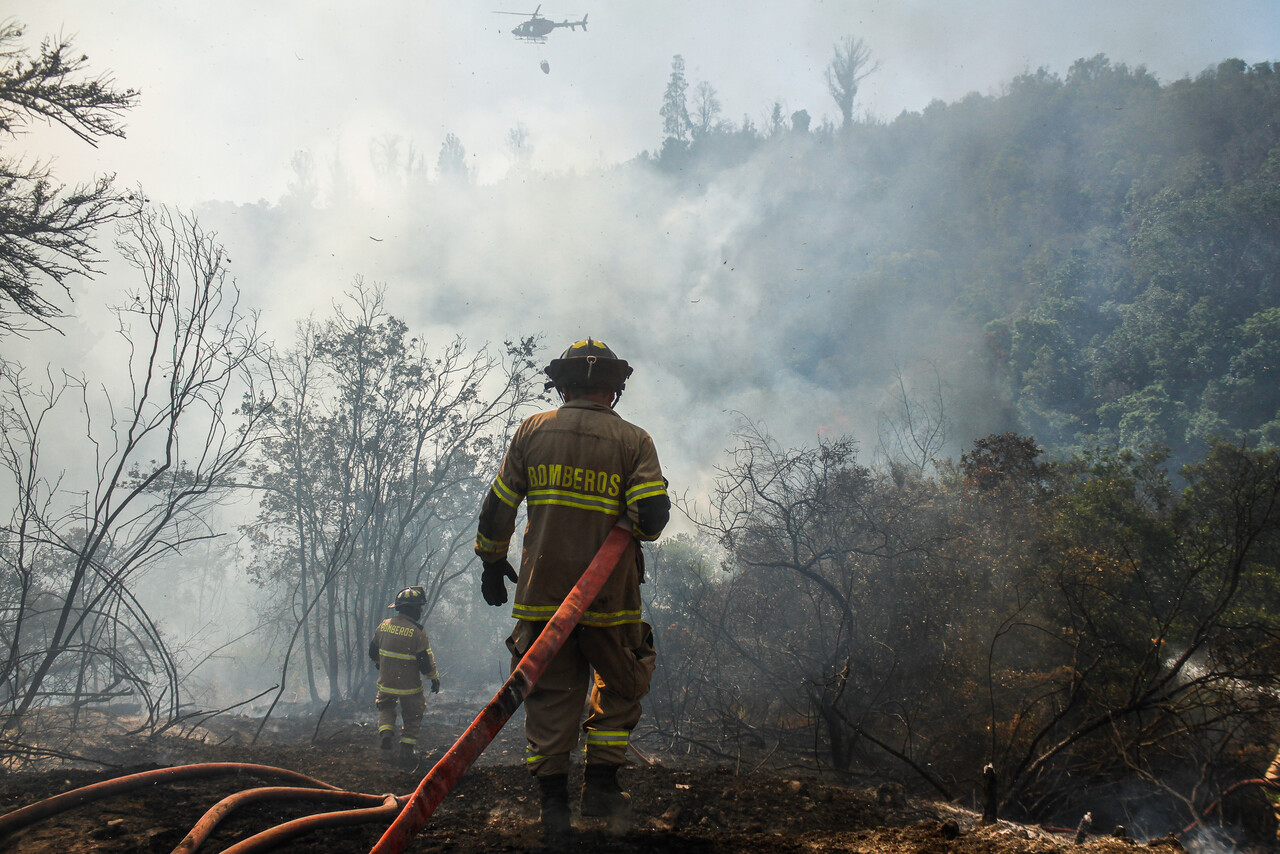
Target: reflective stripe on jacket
(579, 468)
(398, 642)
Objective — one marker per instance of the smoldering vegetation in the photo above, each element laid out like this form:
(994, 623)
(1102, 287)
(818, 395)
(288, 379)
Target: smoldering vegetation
(1000, 485)
(1104, 641)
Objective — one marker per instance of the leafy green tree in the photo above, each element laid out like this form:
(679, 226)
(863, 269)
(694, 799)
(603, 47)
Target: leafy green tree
(1044, 352)
(1245, 401)
(46, 227)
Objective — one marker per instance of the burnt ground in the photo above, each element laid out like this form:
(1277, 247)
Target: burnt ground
(686, 810)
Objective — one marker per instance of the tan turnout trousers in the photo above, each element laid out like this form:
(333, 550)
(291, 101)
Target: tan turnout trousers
(412, 708)
(622, 658)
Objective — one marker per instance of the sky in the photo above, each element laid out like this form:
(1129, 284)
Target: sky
(231, 90)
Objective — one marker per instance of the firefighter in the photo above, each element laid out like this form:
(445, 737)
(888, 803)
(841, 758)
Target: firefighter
(580, 468)
(402, 653)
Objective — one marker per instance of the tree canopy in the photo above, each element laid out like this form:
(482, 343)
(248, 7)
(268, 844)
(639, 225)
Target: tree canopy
(1116, 239)
(46, 227)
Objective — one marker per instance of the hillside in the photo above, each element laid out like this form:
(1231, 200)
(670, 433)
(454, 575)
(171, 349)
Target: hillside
(1107, 241)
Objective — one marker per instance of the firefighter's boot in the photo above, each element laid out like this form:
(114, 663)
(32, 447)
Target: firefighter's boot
(602, 797)
(408, 756)
(384, 747)
(554, 789)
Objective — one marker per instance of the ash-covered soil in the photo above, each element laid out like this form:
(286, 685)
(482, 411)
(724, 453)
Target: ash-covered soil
(495, 807)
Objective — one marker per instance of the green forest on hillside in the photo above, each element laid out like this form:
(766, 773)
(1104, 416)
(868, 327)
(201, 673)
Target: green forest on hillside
(1117, 238)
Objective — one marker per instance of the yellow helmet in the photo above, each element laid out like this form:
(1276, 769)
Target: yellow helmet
(413, 598)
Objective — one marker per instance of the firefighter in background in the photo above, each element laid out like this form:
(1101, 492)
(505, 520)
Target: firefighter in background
(580, 468)
(402, 653)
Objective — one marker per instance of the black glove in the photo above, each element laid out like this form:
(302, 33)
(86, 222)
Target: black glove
(435, 686)
(492, 587)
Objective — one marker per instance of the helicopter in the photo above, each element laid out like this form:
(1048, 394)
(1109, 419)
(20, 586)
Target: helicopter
(535, 29)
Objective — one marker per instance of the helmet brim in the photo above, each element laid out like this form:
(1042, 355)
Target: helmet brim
(578, 372)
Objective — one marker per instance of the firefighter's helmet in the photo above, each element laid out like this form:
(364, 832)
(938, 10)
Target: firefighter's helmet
(410, 599)
(588, 365)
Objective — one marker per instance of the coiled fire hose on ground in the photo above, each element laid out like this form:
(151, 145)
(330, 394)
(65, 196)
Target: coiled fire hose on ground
(269, 840)
(28, 815)
(415, 809)
(205, 826)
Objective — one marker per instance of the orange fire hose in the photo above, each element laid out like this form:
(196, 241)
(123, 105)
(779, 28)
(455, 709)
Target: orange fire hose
(269, 840)
(441, 779)
(215, 814)
(32, 813)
